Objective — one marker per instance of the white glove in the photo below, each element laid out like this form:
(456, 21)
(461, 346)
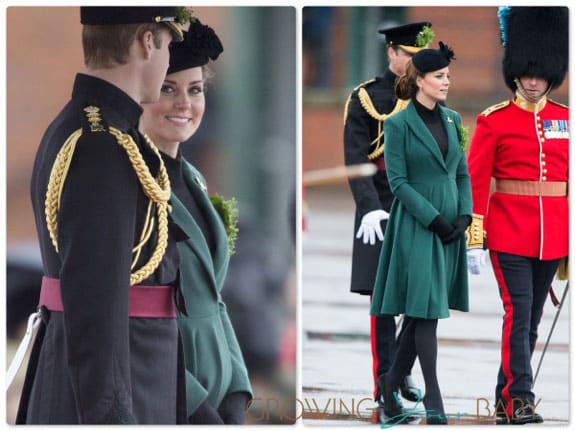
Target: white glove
(476, 257)
(370, 226)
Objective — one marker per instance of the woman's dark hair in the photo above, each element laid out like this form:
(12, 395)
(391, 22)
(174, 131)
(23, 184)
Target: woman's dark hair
(406, 85)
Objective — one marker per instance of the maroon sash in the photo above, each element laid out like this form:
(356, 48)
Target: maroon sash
(145, 301)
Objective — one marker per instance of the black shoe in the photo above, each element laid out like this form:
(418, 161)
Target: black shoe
(525, 415)
(501, 417)
(436, 420)
(409, 391)
(389, 401)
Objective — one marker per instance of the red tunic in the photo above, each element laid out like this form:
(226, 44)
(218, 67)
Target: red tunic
(511, 142)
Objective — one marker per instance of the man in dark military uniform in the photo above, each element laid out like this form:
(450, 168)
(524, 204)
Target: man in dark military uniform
(107, 351)
(523, 145)
(366, 109)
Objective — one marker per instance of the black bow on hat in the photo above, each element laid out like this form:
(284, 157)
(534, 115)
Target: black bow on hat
(201, 44)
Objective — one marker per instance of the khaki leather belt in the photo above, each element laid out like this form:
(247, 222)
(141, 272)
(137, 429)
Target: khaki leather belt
(531, 188)
(144, 301)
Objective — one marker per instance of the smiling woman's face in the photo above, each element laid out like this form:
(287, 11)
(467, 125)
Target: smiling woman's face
(178, 113)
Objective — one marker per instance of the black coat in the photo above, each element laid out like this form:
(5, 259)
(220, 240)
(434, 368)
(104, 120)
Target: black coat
(369, 193)
(94, 363)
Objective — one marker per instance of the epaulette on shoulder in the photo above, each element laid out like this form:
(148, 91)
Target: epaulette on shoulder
(363, 84)
(495, 107)
(94, 118)
(347, 102)
(558, 104)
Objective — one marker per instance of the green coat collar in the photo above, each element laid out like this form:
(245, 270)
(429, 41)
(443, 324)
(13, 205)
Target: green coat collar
(418, 127)
(216, 265)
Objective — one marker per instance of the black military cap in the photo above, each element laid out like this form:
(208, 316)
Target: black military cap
(428, 60)
(409, 37)
(98, 15)
(201, 43)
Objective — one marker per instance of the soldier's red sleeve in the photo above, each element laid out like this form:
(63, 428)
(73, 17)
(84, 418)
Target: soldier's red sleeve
(480, 163)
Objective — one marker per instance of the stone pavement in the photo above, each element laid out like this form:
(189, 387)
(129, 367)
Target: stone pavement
(336, 358)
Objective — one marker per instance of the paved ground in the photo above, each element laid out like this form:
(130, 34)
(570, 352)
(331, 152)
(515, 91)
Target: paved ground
(336, 357)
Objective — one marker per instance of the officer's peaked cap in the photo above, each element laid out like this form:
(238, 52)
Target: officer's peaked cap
(406, 36)
(103, 15)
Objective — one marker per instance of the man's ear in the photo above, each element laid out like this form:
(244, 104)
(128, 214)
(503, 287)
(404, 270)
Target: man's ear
(146, 44)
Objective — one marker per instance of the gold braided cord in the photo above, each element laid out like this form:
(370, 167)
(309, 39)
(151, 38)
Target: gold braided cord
(348, 101)
(152, 188)
(144, 236)
(367, 104)
(56, 184)
(346, 108)
(158, 191)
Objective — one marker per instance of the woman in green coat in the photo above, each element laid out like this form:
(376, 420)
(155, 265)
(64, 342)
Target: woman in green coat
(422, 270)
(217, 384)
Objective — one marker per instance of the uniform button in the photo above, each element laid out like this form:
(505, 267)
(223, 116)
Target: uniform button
(544, 171)
(543, 163)
(542, 155)
(544, 178)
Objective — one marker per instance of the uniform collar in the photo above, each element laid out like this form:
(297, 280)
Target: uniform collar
(389, 78)
(528, 106)
(119, 109)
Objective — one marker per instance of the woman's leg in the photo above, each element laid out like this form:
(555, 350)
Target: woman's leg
(426, 345)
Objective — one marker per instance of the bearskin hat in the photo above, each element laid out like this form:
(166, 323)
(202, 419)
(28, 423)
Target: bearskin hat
(535, 42)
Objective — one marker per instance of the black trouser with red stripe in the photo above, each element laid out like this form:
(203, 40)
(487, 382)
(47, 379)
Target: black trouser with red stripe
(383, 346)
(523, 286)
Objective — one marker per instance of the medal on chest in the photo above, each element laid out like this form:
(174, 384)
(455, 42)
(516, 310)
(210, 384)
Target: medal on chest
(556, 129)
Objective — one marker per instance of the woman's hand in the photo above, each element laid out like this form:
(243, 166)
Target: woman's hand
(205, 414)
(461, 224)
(442, 227)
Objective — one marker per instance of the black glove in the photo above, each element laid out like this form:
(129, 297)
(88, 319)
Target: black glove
(205, 415)
(442, 227)
(233, 408)
(461, 224)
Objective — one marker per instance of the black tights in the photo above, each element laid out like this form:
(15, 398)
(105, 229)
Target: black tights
(418, 336)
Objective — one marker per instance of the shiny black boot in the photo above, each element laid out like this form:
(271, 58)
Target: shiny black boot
(393, 412)
(409, 391)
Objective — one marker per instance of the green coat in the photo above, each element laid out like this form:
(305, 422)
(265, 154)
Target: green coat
(214, 362)
(417, 274)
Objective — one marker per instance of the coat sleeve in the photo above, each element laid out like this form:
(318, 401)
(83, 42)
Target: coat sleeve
(240, 380)
(196, 394)
(480, 160)
(356, 145)
(395, 162)
(96, 226)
